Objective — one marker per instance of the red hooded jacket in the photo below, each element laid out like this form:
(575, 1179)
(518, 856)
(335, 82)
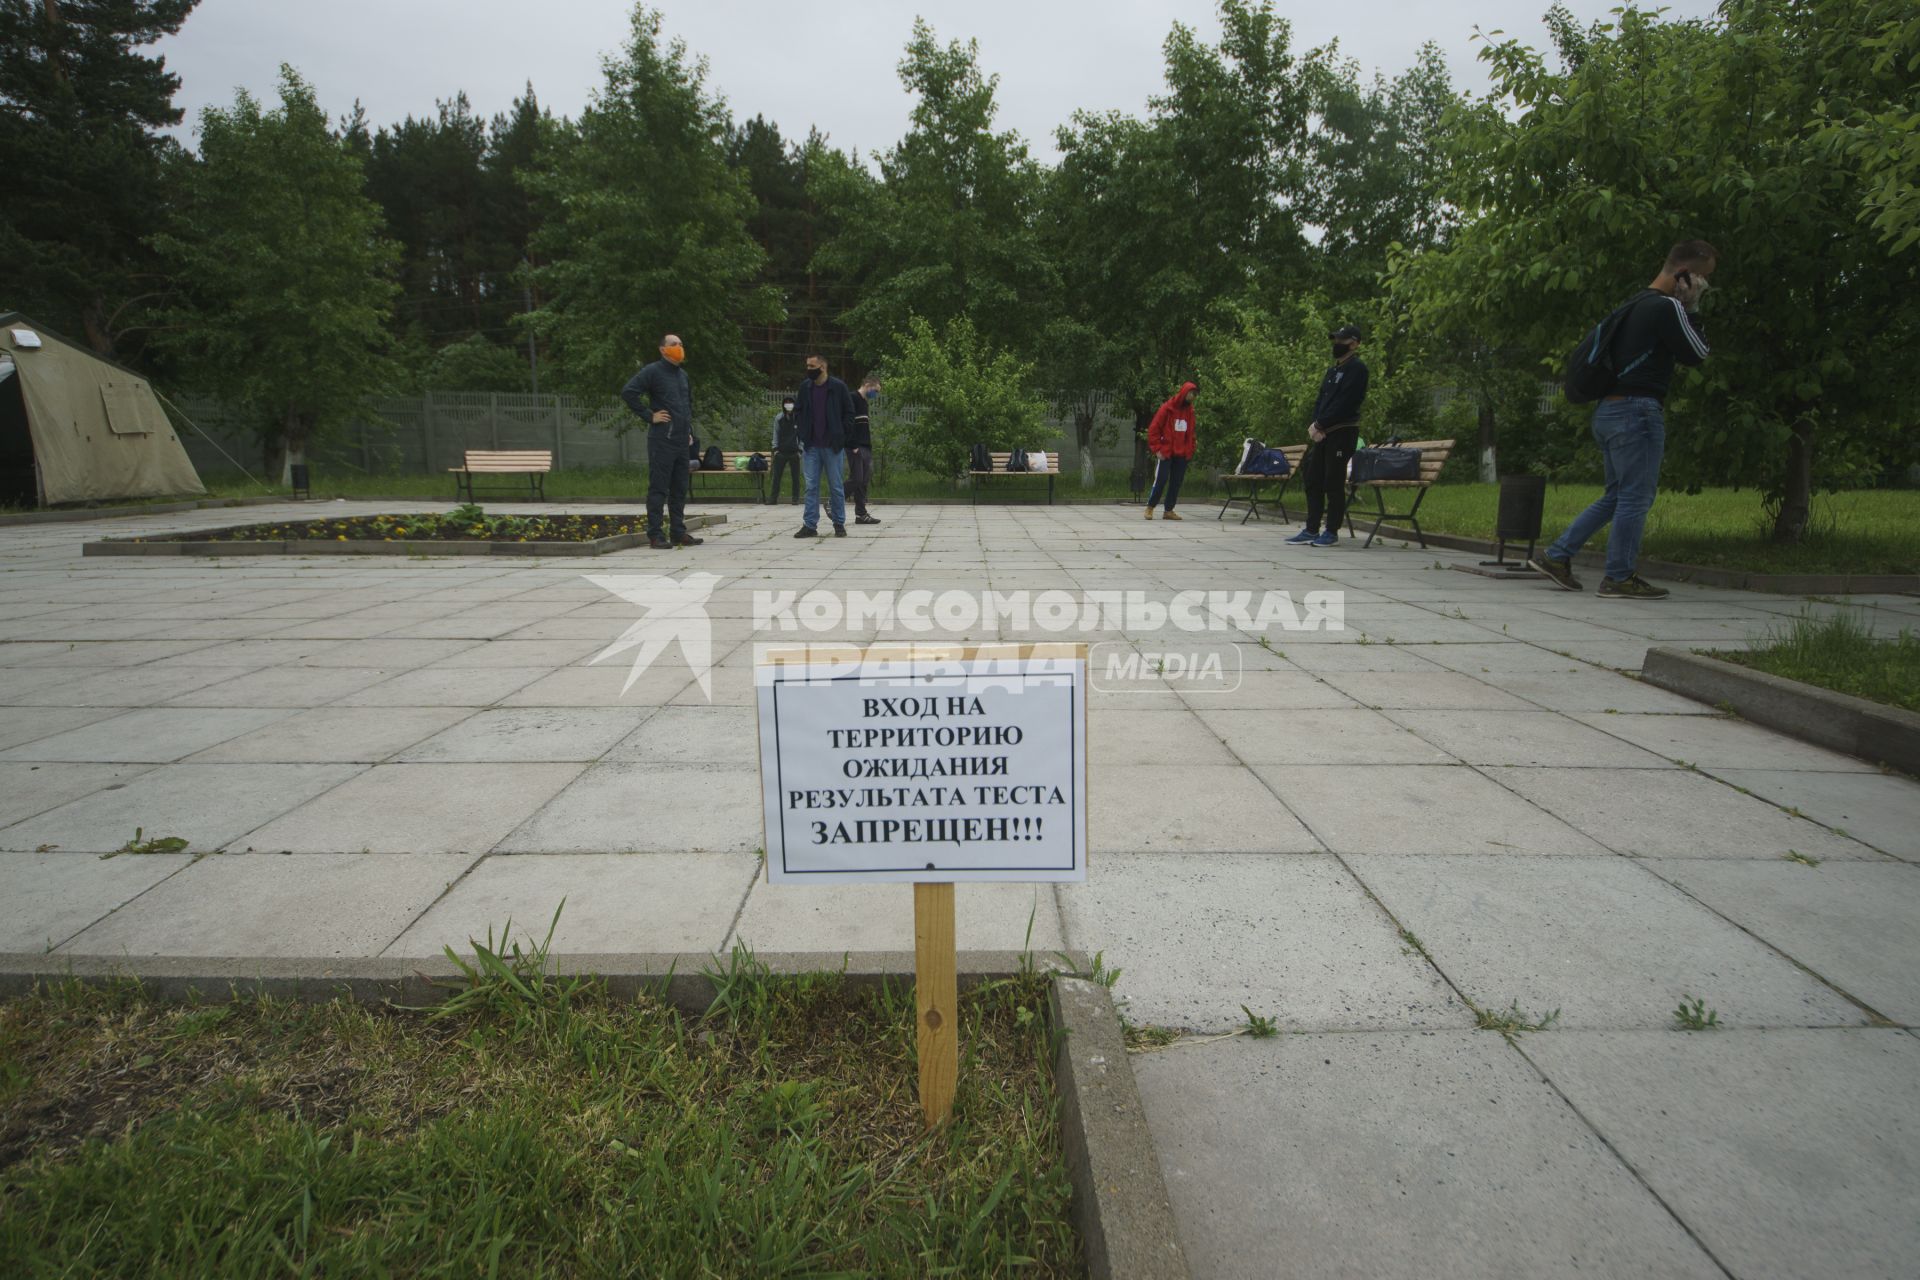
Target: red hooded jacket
(1170, 435)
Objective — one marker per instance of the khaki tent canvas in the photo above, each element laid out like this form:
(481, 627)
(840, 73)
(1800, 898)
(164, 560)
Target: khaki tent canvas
(76, 428)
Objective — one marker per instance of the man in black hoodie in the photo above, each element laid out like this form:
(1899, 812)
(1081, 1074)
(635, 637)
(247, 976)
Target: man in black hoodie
(860, 451)
(1335, 431)
(823, 408)
(660, 394)
(786, 451)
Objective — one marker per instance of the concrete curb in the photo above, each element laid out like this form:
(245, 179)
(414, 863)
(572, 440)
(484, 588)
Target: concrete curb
(1792, 584)
(1842, 722)
(1120, 1199)
(1120, 1203)
(66, 515)
(423, 547)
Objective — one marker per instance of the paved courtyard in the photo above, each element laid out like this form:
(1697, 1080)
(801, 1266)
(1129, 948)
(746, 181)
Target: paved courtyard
(1459, 801)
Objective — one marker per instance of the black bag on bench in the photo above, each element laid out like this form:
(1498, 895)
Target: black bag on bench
(1384, 462)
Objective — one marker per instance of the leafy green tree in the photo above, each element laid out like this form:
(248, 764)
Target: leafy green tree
(474, 364)
(1573, 181)
(959, 388)
(949, 230)
(647, 230)
(1869, 116)
(284, 296)
(82, 160)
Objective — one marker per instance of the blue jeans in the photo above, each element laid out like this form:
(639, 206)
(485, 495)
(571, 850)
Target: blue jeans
(1632, 435)
(810, 464)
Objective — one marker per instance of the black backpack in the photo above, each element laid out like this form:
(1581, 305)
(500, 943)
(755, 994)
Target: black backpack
(758, 462)
(714, 459)
(978, 459)
(693, 449)
(1017, 461)
(1591, 367)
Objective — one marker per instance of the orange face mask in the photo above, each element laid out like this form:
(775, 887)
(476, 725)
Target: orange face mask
(675, 353)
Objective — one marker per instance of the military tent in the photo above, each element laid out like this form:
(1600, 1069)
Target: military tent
(77, 428)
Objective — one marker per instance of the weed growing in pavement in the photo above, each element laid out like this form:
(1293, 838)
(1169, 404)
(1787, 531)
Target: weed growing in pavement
(1695, 1016)
(1512, 1021)
(1260, 1028)
(1794, 855)
(157, 844)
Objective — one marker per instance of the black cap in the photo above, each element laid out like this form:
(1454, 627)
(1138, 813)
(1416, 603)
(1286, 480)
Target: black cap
(1346, 331)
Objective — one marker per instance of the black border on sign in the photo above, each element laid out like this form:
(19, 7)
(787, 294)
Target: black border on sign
(1073, 781)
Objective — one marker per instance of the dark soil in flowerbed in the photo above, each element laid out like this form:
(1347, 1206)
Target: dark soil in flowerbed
(423, 527)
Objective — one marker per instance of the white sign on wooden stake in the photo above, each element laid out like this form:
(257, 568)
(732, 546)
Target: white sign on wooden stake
(924, 763)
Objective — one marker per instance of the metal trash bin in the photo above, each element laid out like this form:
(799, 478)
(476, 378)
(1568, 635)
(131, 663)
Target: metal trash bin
(1523, 502)
(297, 472)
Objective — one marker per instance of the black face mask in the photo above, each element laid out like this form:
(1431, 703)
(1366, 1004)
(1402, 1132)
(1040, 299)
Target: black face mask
(813, 375)
(1340, 349)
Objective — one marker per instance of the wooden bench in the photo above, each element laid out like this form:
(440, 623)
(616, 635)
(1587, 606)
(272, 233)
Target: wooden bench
(1433, 456)
(755, 480)
(532, 463)
(999, 470)
(1253, 484)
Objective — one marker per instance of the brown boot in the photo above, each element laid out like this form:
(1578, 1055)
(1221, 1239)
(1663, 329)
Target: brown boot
(1149, 513)
(1173, 515)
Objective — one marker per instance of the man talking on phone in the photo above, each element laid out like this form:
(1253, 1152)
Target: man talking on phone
(1659, 330)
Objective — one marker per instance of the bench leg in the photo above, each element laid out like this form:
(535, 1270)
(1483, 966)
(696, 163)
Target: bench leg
(1380, 505)
(1413, 518)
(1280, 498)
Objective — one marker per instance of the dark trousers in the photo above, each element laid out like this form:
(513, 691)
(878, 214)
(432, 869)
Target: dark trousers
(667, 484)
(785, 462)
(1324, 470)
(1166, 480)
(859, 476)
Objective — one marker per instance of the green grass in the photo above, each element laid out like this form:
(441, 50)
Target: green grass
(1867, 531)
(539, 1127)
(1838, 652)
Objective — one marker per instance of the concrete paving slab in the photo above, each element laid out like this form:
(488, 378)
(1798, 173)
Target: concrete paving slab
(1418, 1155)
(659, 902)
(259, 904)
(694, 735)
(1600, 939)
(445, 687)
(206, 804)
(519, 653)
(256, 654)
(1882, 810)
(602, 685)
(389, 655)
(1789, 1153)
(415, 808)
(1151, 736)
(1722, 742)
(119, 686)
(1419, 809)
(1438, 690)
(643, 807)
(532, 733)
(100, 653)
(1853, 923)
(366, 735)
(19, 725)
(1188, 809)
(1496, 659)
(879, 917)
(283, 687)
(1592, 689)
(46, 898)
(1266, 691)
(1658, 813)
(1526, 738)
(27, 789)
(1352, 736)
(153, 735)
(1290, 937)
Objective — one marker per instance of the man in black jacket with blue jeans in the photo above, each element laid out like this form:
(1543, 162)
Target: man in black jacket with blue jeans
(660, 394)
(1335, 430)
(823, 409)
(1630, 425)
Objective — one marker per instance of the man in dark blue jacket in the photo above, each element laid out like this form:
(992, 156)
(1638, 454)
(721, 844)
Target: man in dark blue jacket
(823, 409)
(1335, 431)
(660, 394)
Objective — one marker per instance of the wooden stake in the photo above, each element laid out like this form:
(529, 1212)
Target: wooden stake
(936, 994)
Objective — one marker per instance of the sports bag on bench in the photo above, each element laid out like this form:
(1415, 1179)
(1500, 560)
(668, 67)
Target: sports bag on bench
(1384, 462)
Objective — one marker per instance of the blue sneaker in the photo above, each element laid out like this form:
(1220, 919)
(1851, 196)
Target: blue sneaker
(1328, 539)
(1305, 535)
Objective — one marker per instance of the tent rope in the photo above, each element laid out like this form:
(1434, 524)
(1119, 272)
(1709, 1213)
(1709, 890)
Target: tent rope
(210, 440)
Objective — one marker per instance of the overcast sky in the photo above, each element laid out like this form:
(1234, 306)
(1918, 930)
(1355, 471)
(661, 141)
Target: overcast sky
(830, 65)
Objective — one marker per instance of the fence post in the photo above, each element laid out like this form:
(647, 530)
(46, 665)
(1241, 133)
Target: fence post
(426, 432)
(493, 416)
(559, 436)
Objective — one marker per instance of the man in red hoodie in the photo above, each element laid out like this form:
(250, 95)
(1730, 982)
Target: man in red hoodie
(1170, 436)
